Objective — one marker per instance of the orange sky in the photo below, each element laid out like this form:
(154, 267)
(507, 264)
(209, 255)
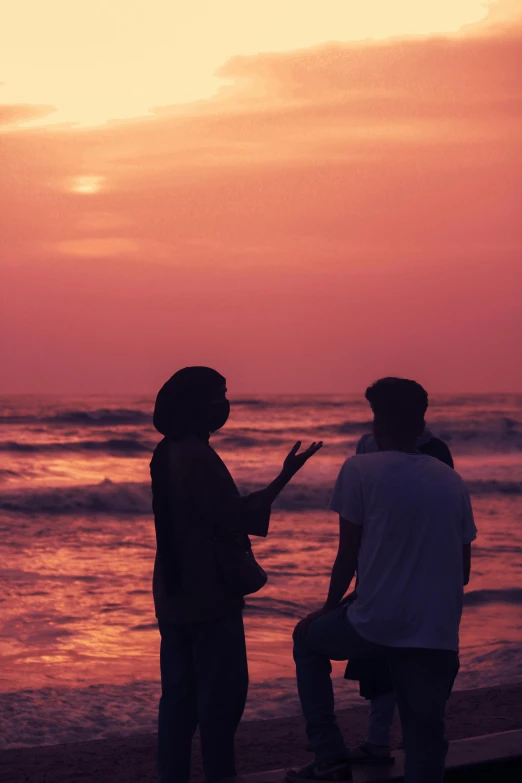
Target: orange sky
(304, 219)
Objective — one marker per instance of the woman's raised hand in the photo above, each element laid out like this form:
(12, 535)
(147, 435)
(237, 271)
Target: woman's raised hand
(294, 461)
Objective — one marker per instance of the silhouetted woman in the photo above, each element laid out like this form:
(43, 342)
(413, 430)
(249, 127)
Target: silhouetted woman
(203, 569)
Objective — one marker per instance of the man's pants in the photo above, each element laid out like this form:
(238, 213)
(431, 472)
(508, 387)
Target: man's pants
(382, 710)
(204, 682)
(422, 679)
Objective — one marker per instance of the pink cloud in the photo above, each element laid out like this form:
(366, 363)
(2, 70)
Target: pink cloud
(333, 215)
(19, 113)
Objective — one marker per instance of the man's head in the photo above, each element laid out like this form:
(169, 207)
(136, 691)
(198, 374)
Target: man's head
(399, 406)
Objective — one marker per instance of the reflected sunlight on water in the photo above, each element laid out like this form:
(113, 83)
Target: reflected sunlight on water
(77, 548)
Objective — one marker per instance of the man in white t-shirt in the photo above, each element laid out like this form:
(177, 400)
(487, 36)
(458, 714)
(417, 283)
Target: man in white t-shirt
(406, 526)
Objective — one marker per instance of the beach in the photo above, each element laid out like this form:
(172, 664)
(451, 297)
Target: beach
(79, 642)
(261, 745)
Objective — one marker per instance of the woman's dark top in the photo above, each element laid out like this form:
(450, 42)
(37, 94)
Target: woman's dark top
(194, 498)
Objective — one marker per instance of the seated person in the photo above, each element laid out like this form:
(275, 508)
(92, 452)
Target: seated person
(406, 526)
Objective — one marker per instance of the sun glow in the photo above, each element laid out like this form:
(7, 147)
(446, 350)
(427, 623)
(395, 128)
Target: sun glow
(95, 61)
(87, 185)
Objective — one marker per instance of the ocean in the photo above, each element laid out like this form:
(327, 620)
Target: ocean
(78, 639)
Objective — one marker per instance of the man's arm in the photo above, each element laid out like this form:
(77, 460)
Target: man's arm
(345, 565)
(469, 534)
(466, 562)
(343, 572)
(347, 502)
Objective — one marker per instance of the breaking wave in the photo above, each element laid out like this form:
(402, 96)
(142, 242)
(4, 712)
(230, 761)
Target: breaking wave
(110, 497)
(512, 595)
(119, 445)
(97, 417)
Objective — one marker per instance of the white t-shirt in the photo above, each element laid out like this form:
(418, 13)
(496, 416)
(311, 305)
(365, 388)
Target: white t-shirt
(415, 514)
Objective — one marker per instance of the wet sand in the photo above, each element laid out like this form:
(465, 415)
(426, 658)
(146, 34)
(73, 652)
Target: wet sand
(261, 744)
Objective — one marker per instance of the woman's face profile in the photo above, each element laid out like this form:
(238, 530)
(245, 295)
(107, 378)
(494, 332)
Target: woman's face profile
(219, 410)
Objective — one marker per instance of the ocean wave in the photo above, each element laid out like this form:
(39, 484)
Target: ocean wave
(103, 416)
(8, 472)
(273, 607)
(474, 400)
(116, 498)
(97, 417)
(501, 435)
(495, 431)
(511, 595)
(118, 445)
(57, 715)
(254, 402)
(60, 715)
(239, 440)
(305, 497)
(342, 436)
(304, 401)
(107, 416)
(494, 487)
(105, 498)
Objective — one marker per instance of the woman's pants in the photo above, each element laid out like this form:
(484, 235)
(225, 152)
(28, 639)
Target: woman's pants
(204, 682)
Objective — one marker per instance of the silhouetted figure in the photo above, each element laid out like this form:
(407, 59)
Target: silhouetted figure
(406, 527)
(375, 683)
(426, 443)
(204, 567)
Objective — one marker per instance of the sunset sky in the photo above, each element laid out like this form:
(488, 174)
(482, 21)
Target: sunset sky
(305, 194)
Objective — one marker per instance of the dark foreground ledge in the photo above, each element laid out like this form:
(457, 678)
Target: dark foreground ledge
(262, 745)
(493, 757)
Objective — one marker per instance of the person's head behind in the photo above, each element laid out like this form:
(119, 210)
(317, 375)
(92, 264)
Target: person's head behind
(192, 402)
(399, 406)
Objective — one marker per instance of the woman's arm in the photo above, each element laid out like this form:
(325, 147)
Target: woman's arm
(215, 496)
(292, 464)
